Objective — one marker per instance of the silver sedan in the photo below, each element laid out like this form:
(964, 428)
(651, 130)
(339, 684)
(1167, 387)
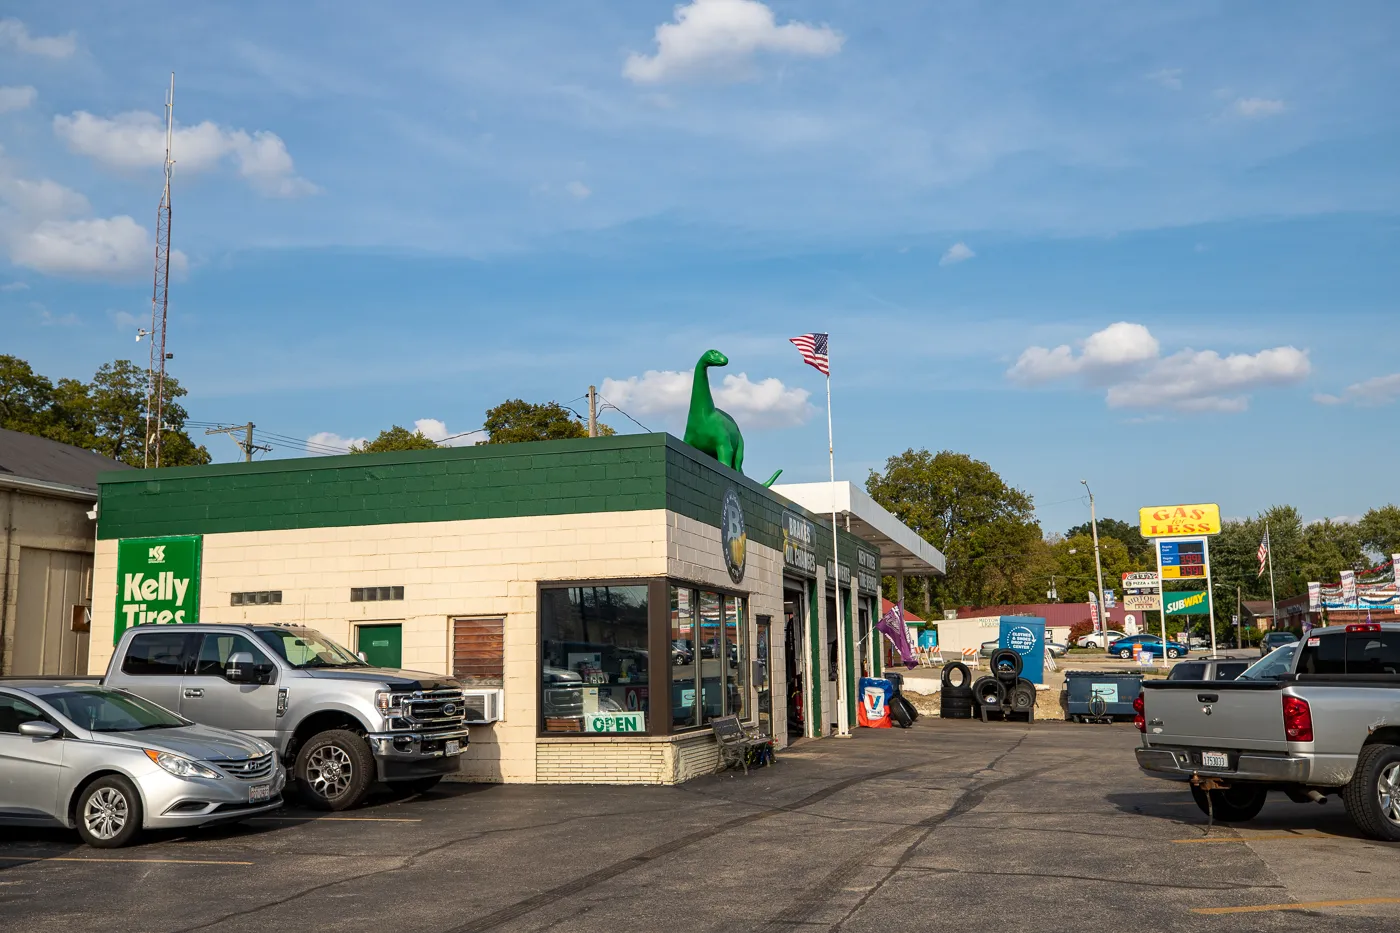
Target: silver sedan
(109, 764)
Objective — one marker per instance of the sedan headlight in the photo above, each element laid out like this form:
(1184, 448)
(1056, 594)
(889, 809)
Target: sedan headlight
(181, 767)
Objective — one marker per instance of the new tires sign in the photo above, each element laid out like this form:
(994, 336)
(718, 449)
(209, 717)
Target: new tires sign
(157, 581)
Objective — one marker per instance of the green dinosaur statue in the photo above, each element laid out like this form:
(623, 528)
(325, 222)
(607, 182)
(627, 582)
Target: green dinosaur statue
(708, 428)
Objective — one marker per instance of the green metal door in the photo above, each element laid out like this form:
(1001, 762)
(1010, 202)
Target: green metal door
(382, 645)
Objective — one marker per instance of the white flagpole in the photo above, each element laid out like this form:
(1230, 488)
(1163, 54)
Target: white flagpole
(843, 719)
(1273, 595)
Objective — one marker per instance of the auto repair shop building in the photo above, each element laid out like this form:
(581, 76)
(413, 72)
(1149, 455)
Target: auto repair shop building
(603, 598)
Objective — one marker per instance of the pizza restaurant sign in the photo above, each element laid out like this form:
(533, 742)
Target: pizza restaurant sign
(1172, 521)
(157, 581)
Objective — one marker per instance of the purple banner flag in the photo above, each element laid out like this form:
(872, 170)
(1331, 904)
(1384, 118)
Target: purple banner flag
(892, 625)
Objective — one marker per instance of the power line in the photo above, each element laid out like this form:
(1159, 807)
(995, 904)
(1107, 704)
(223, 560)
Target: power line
(607, 404)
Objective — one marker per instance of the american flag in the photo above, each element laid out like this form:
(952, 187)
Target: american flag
(1263, 554)
(813, 347)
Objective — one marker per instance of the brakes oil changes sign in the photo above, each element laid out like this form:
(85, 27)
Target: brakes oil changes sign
(157, 581)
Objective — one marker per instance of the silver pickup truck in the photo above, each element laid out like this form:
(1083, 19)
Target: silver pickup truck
(338, 723)
(1312, 719)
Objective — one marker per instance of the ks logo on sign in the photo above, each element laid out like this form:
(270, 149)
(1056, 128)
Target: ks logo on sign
(157, 554)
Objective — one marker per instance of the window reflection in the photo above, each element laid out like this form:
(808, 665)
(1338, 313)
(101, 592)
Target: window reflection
(594, 647)
(684, 705)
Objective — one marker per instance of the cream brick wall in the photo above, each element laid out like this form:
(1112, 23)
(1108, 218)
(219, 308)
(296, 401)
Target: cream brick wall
(696, 555)
(485, 568)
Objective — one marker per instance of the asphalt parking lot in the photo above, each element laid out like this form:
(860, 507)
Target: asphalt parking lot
(946, 826)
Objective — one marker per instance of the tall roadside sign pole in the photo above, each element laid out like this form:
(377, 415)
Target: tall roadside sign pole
(1184, 531)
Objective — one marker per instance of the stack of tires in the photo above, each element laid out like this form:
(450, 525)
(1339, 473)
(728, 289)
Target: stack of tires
(902, 712)
(955, 695)
(1004, 691)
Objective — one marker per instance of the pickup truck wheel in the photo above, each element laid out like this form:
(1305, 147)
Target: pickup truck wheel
(334, 770)
(1372, 797)
(1237, 804)
(109, 812)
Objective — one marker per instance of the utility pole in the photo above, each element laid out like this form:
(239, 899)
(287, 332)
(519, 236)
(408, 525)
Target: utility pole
(592, 411)
(1239, 618)
(1098, 565)
(246, 445)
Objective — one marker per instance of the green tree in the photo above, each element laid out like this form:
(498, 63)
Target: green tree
(1380, 531)
(1329, 548)
(107, 415)
(1075, 574)
(1139, 548)
(986, 529)
(395, 438)
(516, 420)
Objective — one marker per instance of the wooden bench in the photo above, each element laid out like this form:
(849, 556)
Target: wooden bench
(739, 746)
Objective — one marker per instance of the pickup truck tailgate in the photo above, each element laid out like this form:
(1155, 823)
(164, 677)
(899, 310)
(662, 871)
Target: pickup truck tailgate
(1229, 714)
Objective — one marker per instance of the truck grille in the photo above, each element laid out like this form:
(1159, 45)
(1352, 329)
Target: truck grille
(430, 711)
(254, 769)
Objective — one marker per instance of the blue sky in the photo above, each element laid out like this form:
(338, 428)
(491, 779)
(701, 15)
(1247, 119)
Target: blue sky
(1151, 247)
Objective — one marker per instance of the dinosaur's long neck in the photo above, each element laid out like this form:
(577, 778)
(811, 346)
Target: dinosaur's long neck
(701, 402)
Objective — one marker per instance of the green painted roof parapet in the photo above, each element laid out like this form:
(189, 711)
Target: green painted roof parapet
(604, 474)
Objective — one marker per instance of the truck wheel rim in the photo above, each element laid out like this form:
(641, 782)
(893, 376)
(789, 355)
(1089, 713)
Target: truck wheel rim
(1388, 790)
(330, 771)
(105, 813)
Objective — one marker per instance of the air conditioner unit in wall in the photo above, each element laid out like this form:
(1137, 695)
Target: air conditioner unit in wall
(483, 705)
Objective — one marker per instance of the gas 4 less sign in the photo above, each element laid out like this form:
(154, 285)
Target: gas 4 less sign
(157, 581)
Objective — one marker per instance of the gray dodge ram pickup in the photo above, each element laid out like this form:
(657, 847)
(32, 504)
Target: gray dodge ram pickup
(338, 723)
(1314, 718)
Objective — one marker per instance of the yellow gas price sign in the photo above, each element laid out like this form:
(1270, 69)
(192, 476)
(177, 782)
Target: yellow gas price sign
(1174, 521)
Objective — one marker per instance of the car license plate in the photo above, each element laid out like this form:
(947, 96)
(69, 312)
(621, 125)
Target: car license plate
(454, 747)
(1215, 760)
(258, 793)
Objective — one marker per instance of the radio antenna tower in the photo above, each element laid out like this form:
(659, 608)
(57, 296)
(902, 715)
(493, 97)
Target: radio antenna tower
(160, 299)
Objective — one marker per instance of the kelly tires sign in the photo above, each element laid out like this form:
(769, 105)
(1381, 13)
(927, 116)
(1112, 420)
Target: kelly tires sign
(157, 581)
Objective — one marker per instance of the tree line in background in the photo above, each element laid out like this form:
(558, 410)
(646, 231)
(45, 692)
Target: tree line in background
(997, 553)
(106, 415)
(510, 422)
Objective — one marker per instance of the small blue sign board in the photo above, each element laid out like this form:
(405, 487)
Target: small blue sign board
(928, 638)
(1026, 636)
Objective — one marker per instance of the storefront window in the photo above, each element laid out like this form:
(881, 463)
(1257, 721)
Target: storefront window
(711, 658)
(735, 677)
(594, 641)
(684, 651)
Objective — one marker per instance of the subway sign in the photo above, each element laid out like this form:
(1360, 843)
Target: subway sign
(1174, 521)
(157, 581)
(1186, 603)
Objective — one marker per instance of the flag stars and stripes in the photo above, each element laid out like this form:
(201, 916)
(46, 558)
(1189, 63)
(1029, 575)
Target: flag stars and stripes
(1263, 554)
(814, 351)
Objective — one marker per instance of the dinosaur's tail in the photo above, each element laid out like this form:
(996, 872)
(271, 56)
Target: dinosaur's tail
(773, 479)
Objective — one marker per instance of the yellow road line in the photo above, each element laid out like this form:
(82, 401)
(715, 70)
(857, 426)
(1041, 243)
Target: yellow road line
(334, 819)
(1309, 905)
(157, 861)
(1257, 837)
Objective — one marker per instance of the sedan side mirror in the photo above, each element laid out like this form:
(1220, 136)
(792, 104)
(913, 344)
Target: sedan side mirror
(38, 729)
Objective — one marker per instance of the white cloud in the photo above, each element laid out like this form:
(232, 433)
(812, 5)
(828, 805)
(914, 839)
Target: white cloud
(1169, 78)
(578, 189)
(1125, 360)
(14, 287)
(435, 430)
(16, 98)
(136, 140)
(110, 246)
(1378, 390)
(15, 34)
(958, 252)
(49, 319)
(720, 38)
(126, 320)
(666, 394)
(1254, 107)
(328, 442)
